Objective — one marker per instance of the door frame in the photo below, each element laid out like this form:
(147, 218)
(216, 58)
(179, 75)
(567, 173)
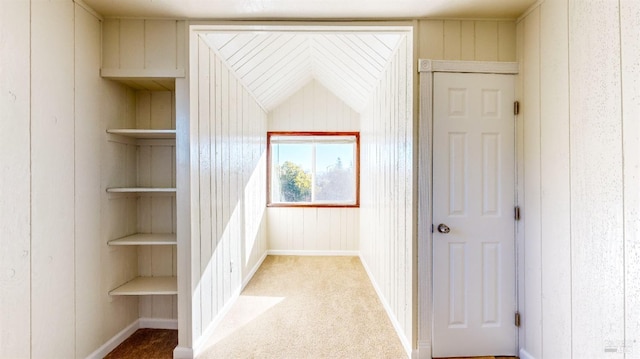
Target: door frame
(426, 69)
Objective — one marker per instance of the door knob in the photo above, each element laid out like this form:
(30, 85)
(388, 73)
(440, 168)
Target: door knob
(443, 228)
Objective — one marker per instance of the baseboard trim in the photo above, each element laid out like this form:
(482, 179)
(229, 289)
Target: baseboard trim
(208, 332)
(153, 323)
(423, 351)
(157, 323)
(116, 340)
(525, 355)
(254, 270)
(287, 252)
(387, 308)
(183, 353)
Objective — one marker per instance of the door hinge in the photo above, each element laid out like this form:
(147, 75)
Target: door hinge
(517, 319)
(516, 107)
(432, 228)
(516, 213)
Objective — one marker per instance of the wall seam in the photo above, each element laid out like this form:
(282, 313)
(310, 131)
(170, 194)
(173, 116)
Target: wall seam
(540, 179)
(30, 180)
(75, 207)
(570, 176)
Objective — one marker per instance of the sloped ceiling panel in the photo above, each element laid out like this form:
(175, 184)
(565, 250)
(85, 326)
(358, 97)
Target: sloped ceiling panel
(274, 65)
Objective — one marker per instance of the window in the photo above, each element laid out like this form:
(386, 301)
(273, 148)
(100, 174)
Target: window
(313, 169)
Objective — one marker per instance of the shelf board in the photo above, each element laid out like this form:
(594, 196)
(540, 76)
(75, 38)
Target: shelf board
(140, 190)
(148, 286)
(140, 133)
(146, 239)
(142, 74)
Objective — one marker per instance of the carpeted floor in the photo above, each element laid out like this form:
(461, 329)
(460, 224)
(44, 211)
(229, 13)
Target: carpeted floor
(147, 343)
(294, 307)
(306, 307)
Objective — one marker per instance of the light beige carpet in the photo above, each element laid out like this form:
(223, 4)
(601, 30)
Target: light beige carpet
(306, 307)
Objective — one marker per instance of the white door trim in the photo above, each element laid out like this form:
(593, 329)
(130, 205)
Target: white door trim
(479, 67)
(426, 69)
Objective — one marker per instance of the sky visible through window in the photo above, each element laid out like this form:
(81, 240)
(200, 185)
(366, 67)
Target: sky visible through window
(326, 156)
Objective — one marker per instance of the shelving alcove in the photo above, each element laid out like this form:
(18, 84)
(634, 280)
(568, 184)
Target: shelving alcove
(141, 192)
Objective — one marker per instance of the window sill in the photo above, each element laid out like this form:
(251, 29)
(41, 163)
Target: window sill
(312, 205)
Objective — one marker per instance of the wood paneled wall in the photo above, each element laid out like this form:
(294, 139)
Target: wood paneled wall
(469, 40)
(387, 207)
(15, 179)
(228, 176)
(135, 46)
(54, 296)
(314, 230)
(579, 145)
(314, 108)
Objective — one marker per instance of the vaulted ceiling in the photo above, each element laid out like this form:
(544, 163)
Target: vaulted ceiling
(311, 9)
(276, 64)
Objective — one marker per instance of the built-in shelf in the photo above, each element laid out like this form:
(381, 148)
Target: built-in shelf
(146, 239)
(139, 133)
(148, 286)
(140, 190)
(142, 74)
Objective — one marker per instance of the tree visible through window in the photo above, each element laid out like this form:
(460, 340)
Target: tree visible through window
(313, 169)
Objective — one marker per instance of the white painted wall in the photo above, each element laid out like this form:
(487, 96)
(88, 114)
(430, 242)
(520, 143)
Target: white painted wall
(314, 108)
(387, 206)
(15, 179)
(468, 40)
(313, 230)
(54, 296)
(228, 192)
(54, 110)
(579, 178)
(143, 47)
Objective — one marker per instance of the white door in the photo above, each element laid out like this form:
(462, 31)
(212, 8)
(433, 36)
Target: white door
(474, 298)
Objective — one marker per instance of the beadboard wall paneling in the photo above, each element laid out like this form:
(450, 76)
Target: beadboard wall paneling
(53, 180)
(89, 139)
(469, 40)
(597, 187)
(555, 170)
(630, 76)
(15, 181)
(313, 229)
(152, 47)
(386, 210)
(579, 171)
(313, 108)
(228, 144)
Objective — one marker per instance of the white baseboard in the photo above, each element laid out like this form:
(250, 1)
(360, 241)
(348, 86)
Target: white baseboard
(390, 314)
(287, 252)
(125, 333)
(183, 353)
(525, 355)
(423, 351)
(116, 340)
(254, 270)
(157, 323)
(208, 332)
